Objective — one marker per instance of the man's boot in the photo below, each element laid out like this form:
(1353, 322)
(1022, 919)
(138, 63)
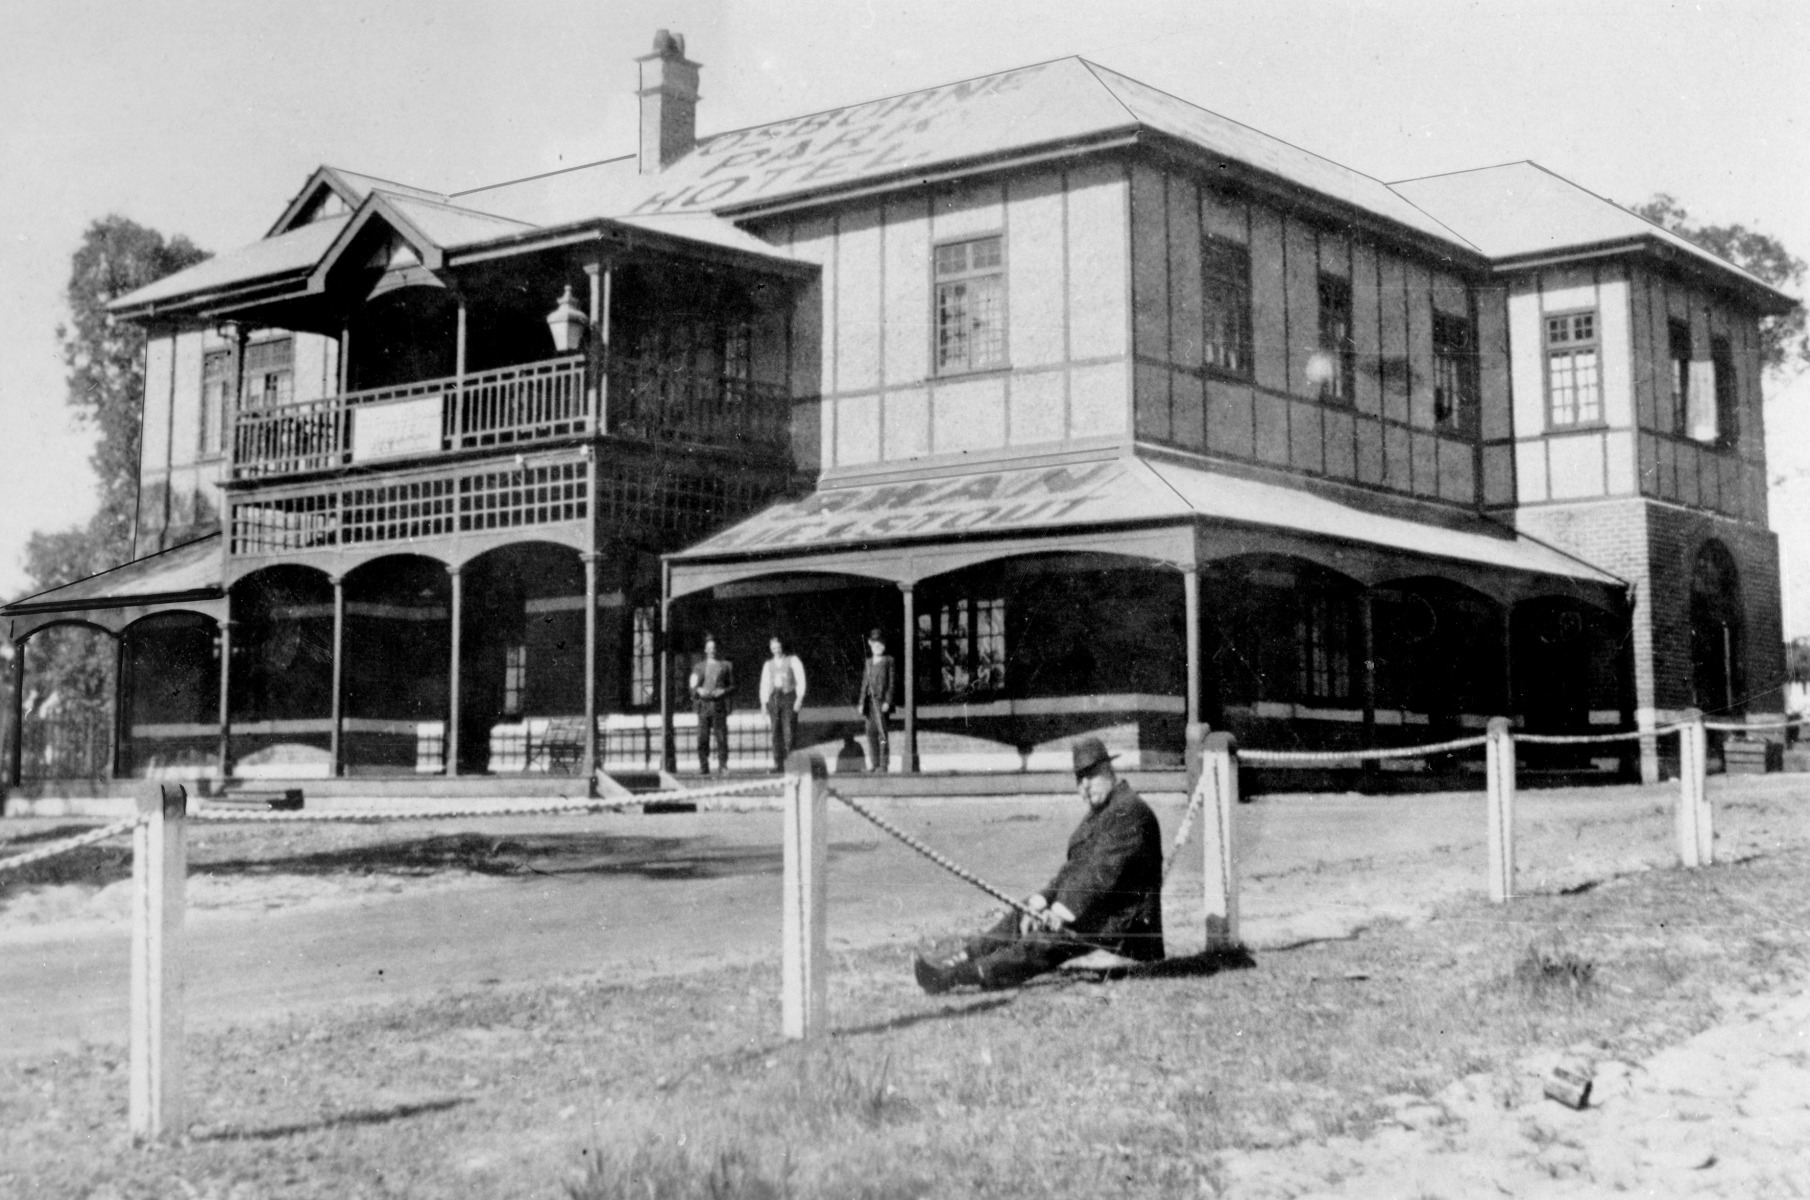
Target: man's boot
(956, 972)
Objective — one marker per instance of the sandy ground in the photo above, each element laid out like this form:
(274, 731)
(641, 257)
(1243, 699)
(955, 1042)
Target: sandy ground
(1725, 1114)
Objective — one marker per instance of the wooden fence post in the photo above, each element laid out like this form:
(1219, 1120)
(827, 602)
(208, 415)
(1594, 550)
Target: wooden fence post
(1500, 774)
(1219, 859)
(1694, 823)
(159, 877)
(803, 964)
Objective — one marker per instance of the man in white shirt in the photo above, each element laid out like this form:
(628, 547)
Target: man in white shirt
(782, 695)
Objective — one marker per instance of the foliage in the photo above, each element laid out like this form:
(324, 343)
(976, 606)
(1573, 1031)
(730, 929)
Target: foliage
(1784, 339)
(105, 359)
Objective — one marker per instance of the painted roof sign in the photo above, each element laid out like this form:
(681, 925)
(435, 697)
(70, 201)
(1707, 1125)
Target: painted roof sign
(966, 505)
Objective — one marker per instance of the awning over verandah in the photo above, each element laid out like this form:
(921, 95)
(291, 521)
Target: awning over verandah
(184, 577)
(1165, 512)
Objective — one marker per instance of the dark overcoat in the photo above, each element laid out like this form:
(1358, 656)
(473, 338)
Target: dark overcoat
(1112, 879)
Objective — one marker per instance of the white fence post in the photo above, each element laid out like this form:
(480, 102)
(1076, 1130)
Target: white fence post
(1696, 830)
(1500, 774)
(1219, 859)
(159, 878)
(803, 963)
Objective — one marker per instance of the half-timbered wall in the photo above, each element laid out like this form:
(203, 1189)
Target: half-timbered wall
(1726, 477)
(863, 348)
(1640, 446)
(182, 452)
(1385, 434)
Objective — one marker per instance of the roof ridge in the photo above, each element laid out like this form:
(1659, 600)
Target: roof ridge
(378, 179)
(464, 209)
(1235, 121)
(1513, 162)
(503, 183)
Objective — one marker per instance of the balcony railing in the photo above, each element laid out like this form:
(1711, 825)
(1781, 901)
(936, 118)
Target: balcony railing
(654, 403)
(510, 406)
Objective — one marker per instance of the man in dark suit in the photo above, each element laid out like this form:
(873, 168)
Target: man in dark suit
(875, 704)
(712, 681)
(1107, 896)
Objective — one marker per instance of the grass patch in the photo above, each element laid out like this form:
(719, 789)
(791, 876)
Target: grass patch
(680, 1087)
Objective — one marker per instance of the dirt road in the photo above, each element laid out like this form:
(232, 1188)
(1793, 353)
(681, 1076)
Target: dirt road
(652, 895)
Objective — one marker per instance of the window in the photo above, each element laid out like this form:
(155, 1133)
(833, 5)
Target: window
(1454, 372)
(1323, 629)
(1728, 396)
(216, 400)
(515, 679)
(1226, 301)
(1679, 338)
(1574, 394)
(1336, 378)
(970, 306)
(644, 664)
(962, 647)
(269, 373)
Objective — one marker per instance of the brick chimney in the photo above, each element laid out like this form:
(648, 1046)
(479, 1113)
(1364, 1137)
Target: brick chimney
(669, 102)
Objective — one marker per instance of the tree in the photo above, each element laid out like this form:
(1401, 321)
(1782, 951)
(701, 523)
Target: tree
(1783, 339)
(106, 380)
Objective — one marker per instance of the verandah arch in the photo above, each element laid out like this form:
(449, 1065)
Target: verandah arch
(169, 696)
(1440, 650)
(67, 673)
(280, 672)
(395, 666)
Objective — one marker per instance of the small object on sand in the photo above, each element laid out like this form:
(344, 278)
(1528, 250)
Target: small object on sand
(1569, 1087)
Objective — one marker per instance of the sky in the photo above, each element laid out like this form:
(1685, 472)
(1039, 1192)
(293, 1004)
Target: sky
(204, 117)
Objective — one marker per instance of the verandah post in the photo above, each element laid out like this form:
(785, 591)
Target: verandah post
(1693, 821)
(804, 925)
(159, 879)
(1219, 858)
(1499, 773)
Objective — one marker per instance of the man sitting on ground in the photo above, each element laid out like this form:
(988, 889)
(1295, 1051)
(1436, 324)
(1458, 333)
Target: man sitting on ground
(1107, 896)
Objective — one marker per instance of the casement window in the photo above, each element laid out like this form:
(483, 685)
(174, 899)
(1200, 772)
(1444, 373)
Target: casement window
(1226, 304)
(970, 312)
(962, 647)
(1336, 344)
(1678, 338)
(1454, 373)
(216, 401)
(269, 373)
(1728, 396)
(643, 663)
(1324, 631)
(1574, 390)
(515, 679)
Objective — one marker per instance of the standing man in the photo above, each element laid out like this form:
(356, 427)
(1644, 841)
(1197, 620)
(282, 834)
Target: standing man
(782, 695)
(875, 703)
(712, 679)
(1107, 896)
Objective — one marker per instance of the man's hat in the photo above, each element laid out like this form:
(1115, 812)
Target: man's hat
(1089, 753)
(874, 635)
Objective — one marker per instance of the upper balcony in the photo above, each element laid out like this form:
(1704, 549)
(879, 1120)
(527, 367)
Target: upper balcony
(555, 399)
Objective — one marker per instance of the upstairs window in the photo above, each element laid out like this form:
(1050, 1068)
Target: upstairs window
(269, 373)
(1574, 392)
(1728, 396)
(216, 401)
(1678, 337)
(1338, 352)
(962, 647)
(970, 316)
(1454, 373)
(1226, 301)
